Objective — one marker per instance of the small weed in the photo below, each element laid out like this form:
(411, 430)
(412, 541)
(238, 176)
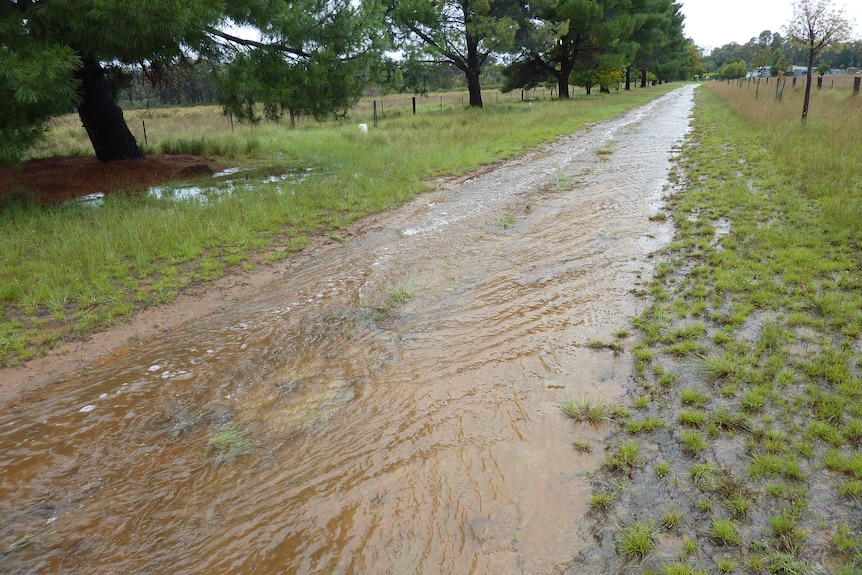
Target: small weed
(703, 473)
(401, 292)
(786, 563)
(229, 444)
(725, 565)
(626, 459)
(725, 420)
(507, 221)
(582, 446)
(725, 532)
(693, 397)
(754, 399)
(738, 504)
(717, 366)
(848, 464)
(648, 424)
(662, 468)
(846, 541)
(638, 539)
(642, 401)
(585, 409)
(694, 442)
(606, 150)
(671, 519)
(851, 488)
(689, 547)
(602, 501)
(691, 418)
(785, 528)
(614, 346)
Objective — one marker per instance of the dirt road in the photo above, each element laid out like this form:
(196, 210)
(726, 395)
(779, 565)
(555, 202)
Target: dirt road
(386, 405)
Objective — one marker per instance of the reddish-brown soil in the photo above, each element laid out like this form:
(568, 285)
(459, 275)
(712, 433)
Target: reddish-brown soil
(58, 179)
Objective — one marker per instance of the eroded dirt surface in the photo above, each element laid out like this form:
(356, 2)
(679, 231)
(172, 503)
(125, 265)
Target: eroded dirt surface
(57, 179)
(310, 419)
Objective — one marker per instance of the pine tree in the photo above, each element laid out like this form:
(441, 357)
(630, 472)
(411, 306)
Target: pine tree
(58, 56)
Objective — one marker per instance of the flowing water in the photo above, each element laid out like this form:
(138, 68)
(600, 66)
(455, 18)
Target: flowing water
(330, 424)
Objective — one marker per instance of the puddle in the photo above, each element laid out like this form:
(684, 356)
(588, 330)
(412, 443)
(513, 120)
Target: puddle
(222, 184)
(421, 436)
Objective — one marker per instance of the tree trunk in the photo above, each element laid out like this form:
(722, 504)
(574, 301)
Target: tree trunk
(808, 86)
(628, 78)
(643, 77)
(475, 89)
(473, 70)
(563, 86)
(103, 118)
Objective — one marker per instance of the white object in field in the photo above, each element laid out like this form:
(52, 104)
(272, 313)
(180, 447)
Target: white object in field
(363, 128)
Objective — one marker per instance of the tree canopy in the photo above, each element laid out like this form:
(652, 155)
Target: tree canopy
(310, 57)
(56, 56)
(589, 42)
(464, 33)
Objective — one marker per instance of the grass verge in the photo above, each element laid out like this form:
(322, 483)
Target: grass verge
(760, 326)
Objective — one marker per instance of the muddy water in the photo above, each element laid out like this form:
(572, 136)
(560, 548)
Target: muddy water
(365, 434)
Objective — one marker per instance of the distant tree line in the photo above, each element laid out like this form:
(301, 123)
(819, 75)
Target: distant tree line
(778, 54)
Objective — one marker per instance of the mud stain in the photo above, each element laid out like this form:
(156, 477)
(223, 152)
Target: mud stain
(383, 429)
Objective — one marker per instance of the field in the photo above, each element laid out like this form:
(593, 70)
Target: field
(68, 270)
(740, 449)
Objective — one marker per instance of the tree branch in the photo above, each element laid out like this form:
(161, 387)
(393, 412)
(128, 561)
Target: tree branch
(255, 44)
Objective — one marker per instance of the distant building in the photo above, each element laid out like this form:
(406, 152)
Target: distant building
(760, 72)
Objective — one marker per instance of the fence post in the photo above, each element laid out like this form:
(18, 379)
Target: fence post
(819, 82)
(794, 81)
(414, 105)
(144, 124)
(856, 82)
(375, 113)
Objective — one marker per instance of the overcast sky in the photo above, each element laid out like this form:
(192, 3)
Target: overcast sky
(713, 23)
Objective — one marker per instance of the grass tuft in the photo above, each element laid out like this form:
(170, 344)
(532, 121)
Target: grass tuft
(638, 539)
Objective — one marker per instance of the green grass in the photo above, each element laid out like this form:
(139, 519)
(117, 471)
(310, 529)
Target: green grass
(756, 310)
(725, 531)
(646, 424)
(229, 444)
(671, 519)
(602, 501)
(66, 272)
(625, 459)
(638, 539)
(586, 409)
(582, 446)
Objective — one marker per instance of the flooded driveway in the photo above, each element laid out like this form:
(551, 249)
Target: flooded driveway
(389, 405)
